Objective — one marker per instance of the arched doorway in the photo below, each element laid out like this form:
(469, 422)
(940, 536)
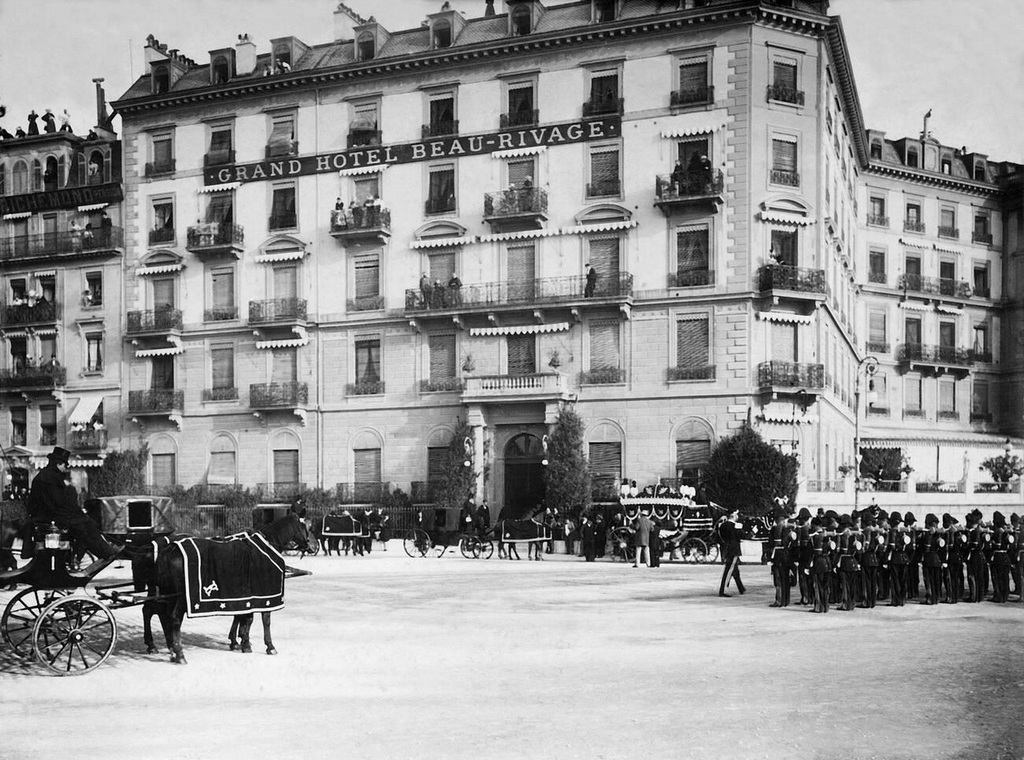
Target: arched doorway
(524, 475)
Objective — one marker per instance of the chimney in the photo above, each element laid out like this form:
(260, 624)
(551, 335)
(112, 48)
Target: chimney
(245, 56)
(345, 21)
(490, 8)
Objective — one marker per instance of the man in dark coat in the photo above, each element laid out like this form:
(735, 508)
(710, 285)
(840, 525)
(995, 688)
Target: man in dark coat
(588, 532)
(51, 501)
(588, 290)
(730, 532)
(779, 556)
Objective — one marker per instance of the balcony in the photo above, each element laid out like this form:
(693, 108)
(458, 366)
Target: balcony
(223, 314)
(220, 394)
(154, 321)
(790, 377)
(365, 388)
(282, 149)
(156, 168)
(277, 310)
(603, 376)
(787, 177)
(361, 223)
(878, 220)
(782, 94)
(706, 372)
(527, 118)
(543, 386)
(934, 286)
(913, 225)
(163, 236)
(278, 493)
(216, 239)
(984, 238)
(687, 189)
(876, 347)
(595, 107)
(219, 158)
(371, 492)
(516, 207)
(442, 385)
(30, 377)
(89, 242)
(934, 360)
(439, 206)
(282, 221)
(782, 277)
(440, 129)
(358, 138)
(949, 232)
(155, 402)
(365, 303)
(696, 96)
(566, 291)
(39, 313)
(87, 440)
(605, 188)
(278, 395)
(877, 277)
(692, 278)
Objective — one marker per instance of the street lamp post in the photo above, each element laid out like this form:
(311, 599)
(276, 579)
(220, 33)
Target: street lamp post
(867, 366)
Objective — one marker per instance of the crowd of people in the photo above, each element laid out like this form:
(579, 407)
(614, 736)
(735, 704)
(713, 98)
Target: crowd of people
(49, 125)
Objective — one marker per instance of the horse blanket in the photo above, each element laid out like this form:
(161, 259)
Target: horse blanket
(343, 526)
(235, 576)
(523, 530)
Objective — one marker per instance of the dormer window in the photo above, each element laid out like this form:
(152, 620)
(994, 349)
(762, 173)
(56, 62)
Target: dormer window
(876, 149)
(220, 72)
(912, 157)
(979, 171)
(442, 34)
(946, 165)
(366, 47)
(161, 80)
(282, 59)
(522, 21)
(604, 10)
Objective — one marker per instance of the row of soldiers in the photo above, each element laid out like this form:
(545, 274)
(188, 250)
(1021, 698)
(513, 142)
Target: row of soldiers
(860, 559)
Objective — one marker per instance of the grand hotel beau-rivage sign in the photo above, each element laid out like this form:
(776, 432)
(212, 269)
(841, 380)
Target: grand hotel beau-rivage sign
(424, 150)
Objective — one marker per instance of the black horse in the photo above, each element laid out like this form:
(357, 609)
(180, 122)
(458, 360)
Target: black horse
(166, 576)
(8, 532)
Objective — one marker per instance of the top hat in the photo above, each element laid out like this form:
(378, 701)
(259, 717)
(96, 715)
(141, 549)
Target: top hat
(59, 455)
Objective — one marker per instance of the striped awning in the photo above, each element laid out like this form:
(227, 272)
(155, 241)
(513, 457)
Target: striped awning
(915, 244)
(913, 306)
(521, 235)
(85, 409)
(147, 353)
(781, 418)
(162, 269)
(85, 463)
(519, 329)
(93, 206)
(516, 152)
(783, 217)
(375, 169)
(18, 215)
(270, 258)
(45, 331)
(45, 273)
(785, 316)
(947, 249)
(442, 242)
(948, 309)
(219, 188)
(301, 340)
(925, 437)
(690, 131)
(605, 227)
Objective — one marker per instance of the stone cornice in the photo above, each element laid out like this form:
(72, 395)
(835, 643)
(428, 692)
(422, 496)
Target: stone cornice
(933, 178)
(848, 87)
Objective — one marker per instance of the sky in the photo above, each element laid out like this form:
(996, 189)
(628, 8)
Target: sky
(963, 59)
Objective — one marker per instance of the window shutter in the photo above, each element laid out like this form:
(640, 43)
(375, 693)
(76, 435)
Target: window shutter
(692, 343)
(521, 272)
(692, 250)
(692, 454)
(220, 141)
(604, 257)
(784, 155)
(913, 393)
(286, 466)
(164, 470)
(521, 354)
(604, 166)
(162, 152)
(784, 342)
(18, 415)
(520, 99)
(222, 468)
(367, 465)
(785, 75)
(163, 293)
(437, 457)
(520, 171)
(281, 135)
(442, 266)
(606, 459)
(913, 266)
(222, 362)
(223, 286)
(284, 366)
(442, 357)
(604, 345)
(367, 271)
(286, 282)
(693, 76)
(47, 416)
(876, 327)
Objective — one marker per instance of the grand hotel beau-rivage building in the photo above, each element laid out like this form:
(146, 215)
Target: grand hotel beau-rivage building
(668, 214)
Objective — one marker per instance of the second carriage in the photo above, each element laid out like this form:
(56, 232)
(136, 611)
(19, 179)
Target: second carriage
(688, 531)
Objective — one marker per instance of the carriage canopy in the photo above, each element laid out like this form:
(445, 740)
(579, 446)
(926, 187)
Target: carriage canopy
(127, 515)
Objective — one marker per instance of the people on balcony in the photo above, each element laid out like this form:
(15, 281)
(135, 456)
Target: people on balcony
(355, 212)
(455, 289)
(591, 285)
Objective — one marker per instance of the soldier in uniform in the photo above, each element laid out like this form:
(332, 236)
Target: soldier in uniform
(847, 565)
(931, 544)
(869, 561)
(953, 563)
(779, 540)
(977, 566)
(1014, 553)
(821, 566)
(1001, 543)
(1018, 559)
(897, 557)
(914, 563)
(730, 533)
(804, 555)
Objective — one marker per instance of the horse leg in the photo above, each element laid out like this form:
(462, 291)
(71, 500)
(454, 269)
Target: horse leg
(149, 609)
(266, 633)
(232, 634)
(177, 615)
(244, 626)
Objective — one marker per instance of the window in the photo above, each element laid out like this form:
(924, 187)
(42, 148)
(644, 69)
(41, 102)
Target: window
(784, 342)
(281, 140)
(693, 350)
(604, 94)
(437, 463)
(912, 392)
(979, 401)
(366, 282)
(784, 247)
(3, 179)
(368, 361)
(442, 33)
(693, 247)
(161, 231)
(521, 271)
(364, 128)
(282, 208)
(162, 373)
(981, 288)
(441, 265)
(947, 165)
(947, 398)
(691, 456)
(604, 348)
(784, 87)
(947, 277)
(979, 171)
(162, 154)
(220, 208)
(877, 342)
(604, 172)
(604, 259)
(223, 468)
(161, 80)
(693, 82)
(222, 372)
(442, 116)
(47, 425)
(604, 10)
(93, 288)
(519, 170)
(876, 149)
(876, 266)
(877, 215)
(164, 470)
(162, 291)
(912, 221)
(219, 70)
(522, 354)
(19, 426)
(982, 234)
(19, 178)
(912, 265)
(285, 282)
(286, 466)
(912, 331)
(222, 295)
(221, 146)
(521, 20)
(366, 47)
(366, 465)
(947, 337)
(981, 348)
(784, 162)
(604, 460)
(947, 222)
(521, 111)
(284, 366)
(442, 359)
(441, 189)
(282, 58)
(94, 352)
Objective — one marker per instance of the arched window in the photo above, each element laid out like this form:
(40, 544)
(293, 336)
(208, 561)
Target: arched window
(282, 59)
(19, 178)
(95, 168)
(37, 176)
(161, 80)
(220, 72)
(521, 21)
(223, 468)
(51, 177)
(442, 34)
(366, 47)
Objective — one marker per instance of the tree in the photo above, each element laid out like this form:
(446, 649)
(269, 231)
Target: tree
(457, 481)
(747, 473)
(883, 464)
(567, 475)
(1003, 468)
(122, 473)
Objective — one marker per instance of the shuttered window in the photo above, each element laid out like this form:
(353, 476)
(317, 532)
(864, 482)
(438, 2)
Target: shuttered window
(604, 88)
(784, 342)
(442, 357)
(947, 395)
(163, 373)
(364, 117)
(605, 460)
(222, 363)
(693, 76)
(284, 367)
(367, 275)
(520, 99)
(519, 171)
(979, 397)
(220, 142)
(784, 246)
(163, 292)
(521, 272)
(366, 465)
(223, 288)
(604, 172)
(164, 470)
(221, 208)
(282, 132)
(604, 345)
(286, 466)
(784, 155)
(522, 350)
(604, 258)
(442, 266)
(913, 393)
(784, 75)
(437, 457)
(367, 361)
(222, 468)
(692, 244)
(692, 350)
(947, 334)
(876, 327)
(692, 454)
(286, 282)
(163, 151)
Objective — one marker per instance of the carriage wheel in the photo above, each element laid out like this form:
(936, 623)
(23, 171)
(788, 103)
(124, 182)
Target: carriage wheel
(486, 548)
(694, 550)
(417, 543)
(20, 616)
(712, 556)
(470, 547)
(74, 635)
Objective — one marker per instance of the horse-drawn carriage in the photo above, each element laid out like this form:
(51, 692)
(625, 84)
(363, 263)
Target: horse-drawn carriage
(688, 531)
(437, 529)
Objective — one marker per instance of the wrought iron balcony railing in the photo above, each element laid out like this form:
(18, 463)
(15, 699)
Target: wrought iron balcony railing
(277, 310)
(361, 137)
(220, 394)
(787, 177)
(365, 388)
(441, 384)
(785, 94)
(511, 292)
(87, 440)
(360, 218)
(689, 184)
(878, 220)
(59, 243)
(985, 238)
(877, 347)
(280, 492)
(691, 278)
(271, 395)
(603, 376)
(527, 118)
(516, 202)
(915, 283)
(282, 149)
(440, 129)
(931, 354)
(214, 235)
(155, 401)
(282, 221)
(785, 277)
(913, 225)
(949, 232)
(439, 205)
(33, 377)
(602, 107)
(603, 188)
(24, 314)
(365, 303)
(222, 314)
(878, 277)
(705, 372)
(693, 96)
(153, 320)
(162, 236)
(791, 375)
